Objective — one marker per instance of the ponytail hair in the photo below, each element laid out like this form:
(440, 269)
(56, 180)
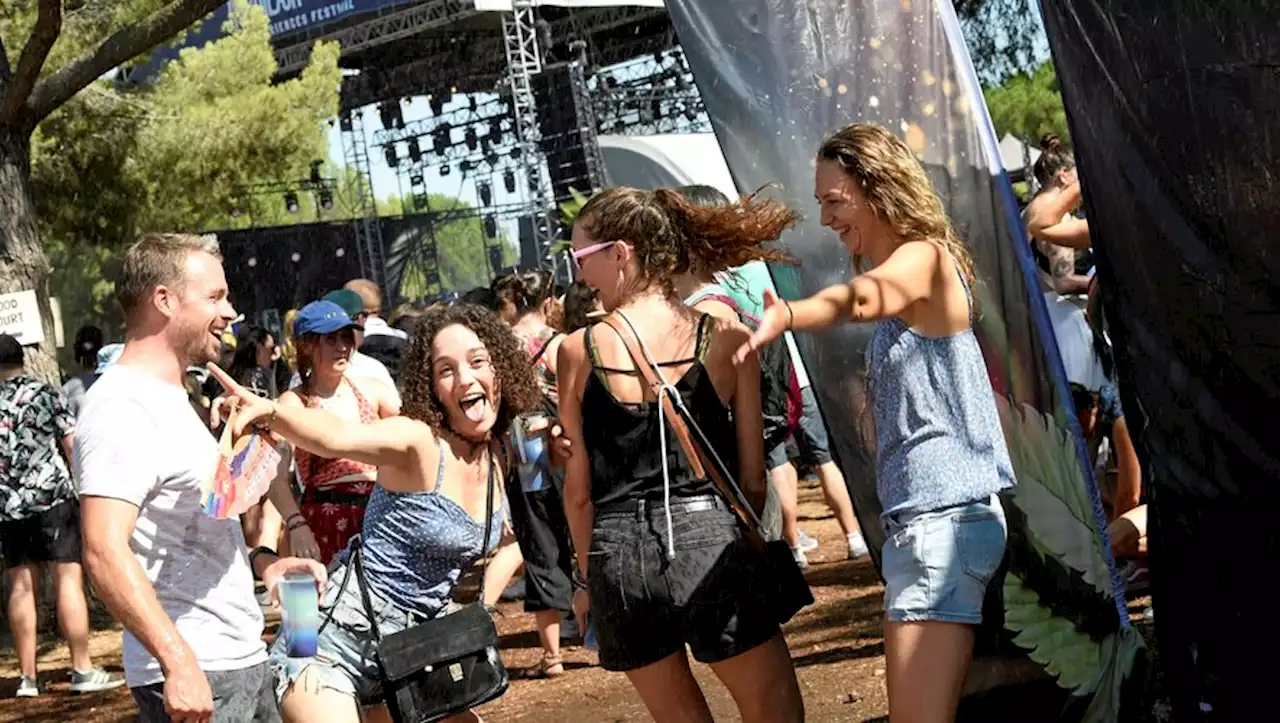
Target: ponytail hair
(1054, 158)
(673, 235)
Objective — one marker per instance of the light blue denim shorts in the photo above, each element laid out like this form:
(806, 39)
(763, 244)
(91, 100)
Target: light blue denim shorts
(346, 652)
(937, 564)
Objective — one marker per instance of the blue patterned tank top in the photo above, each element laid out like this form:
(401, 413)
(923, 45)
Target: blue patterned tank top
(417, 545)
(939, 442)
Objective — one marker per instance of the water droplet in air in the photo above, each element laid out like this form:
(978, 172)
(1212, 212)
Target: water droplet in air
(296, 257)
(874, 43)
(253, 261)
(928, 108)
(929, 77)
(842, 89)
(340, 253)
(873, 101)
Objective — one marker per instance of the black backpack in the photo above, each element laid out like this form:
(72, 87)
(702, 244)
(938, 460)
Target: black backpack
(779, 388)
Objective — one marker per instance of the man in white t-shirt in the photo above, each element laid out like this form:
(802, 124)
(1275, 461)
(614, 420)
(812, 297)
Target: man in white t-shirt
(179, 580)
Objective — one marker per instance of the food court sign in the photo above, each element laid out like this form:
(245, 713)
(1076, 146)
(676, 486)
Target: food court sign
(20, 317)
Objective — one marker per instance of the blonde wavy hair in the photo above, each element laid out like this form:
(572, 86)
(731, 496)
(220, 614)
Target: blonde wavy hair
(897, 187)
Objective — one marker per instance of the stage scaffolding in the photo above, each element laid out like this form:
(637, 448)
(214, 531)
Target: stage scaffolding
(636, 80)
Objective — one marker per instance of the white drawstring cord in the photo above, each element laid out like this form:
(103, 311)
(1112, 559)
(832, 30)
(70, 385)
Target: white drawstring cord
(662, 389)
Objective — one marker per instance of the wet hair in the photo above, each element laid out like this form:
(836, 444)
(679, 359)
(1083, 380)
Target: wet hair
(579, 301)
(525, 290)
(700, 195)
(1053, 160)
(516, 382)
(672, 235)
(89, 340)
(896, 186)
(248, 343)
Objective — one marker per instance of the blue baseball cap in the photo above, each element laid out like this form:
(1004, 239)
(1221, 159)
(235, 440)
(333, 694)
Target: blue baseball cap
(322, 317)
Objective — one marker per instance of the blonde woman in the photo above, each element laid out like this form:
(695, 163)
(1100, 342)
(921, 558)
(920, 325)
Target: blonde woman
(941, 456)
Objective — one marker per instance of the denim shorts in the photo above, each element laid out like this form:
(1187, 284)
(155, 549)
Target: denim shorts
(937, 564)
(644, 606)
(346, 653)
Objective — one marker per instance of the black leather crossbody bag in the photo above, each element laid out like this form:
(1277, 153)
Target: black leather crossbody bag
(445, 665)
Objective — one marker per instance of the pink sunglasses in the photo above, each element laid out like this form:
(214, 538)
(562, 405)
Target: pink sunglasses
(579, 254)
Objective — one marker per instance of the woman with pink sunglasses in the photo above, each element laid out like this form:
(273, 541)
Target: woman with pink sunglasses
(661, 562)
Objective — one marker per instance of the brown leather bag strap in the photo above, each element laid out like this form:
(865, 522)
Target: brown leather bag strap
(729, 491)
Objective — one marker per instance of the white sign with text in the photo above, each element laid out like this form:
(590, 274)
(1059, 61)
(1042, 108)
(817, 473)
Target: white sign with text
(20, 317)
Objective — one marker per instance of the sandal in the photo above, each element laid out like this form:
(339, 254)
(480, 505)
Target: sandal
(548, 667)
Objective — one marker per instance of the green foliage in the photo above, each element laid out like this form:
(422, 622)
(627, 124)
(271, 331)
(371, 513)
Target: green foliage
(173, 156)
(1004, 36)
(569, 211)
(1028, 105)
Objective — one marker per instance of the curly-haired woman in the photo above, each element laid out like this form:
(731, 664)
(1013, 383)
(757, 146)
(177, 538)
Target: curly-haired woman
(466, 378)
(941, 456)
(663, 558)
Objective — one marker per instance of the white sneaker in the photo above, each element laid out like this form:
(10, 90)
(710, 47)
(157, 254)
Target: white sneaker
(857, 546)
(94, 680)
(807, 544)
(27, 688)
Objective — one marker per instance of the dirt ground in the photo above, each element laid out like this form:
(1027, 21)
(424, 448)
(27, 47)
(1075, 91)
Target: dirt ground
(836, 644)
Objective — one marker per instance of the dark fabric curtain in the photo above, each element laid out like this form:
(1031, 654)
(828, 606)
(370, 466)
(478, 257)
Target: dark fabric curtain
(1174, 110)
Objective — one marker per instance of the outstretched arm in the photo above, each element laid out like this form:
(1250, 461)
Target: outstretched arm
(386, 442)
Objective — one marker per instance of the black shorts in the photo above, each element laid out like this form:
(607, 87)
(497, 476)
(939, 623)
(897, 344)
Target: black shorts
(645, 607)
(49, 536)
(543, 535)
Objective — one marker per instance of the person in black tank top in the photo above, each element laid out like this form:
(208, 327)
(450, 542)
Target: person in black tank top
(661, 561)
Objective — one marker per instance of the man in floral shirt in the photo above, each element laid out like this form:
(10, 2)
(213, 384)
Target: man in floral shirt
(40, 519)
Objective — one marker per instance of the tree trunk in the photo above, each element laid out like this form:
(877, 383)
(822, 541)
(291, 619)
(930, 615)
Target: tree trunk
(23, 264)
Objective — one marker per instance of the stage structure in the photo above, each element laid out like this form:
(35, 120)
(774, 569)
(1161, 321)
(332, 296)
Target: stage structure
(541, 79)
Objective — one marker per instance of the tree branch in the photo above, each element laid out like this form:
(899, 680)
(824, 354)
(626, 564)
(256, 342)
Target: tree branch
(45, 33)
(127, 43)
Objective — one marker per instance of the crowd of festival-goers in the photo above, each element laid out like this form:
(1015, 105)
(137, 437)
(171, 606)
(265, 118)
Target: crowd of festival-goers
(404, 430)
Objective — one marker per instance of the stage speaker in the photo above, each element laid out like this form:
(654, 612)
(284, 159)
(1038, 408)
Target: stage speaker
(568, 128)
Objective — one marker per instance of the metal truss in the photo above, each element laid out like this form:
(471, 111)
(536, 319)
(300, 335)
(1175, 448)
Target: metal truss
(383, 29)
(485, 113)
(368, 231)
(524, 60)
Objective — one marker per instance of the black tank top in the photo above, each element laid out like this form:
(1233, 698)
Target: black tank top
(622, 439)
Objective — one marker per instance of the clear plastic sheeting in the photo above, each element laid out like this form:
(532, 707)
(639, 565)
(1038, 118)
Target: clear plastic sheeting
(776, 77)
(1174, 110)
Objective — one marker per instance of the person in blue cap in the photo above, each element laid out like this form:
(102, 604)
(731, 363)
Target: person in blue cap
(362, 365)
(334, 491)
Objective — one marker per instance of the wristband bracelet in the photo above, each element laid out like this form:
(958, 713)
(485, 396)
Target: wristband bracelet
(791, 317)
(294, 516)
(296, 525)
(579, 582)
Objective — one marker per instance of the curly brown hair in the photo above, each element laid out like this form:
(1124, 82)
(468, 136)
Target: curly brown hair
(672, 235)
(517, 386)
